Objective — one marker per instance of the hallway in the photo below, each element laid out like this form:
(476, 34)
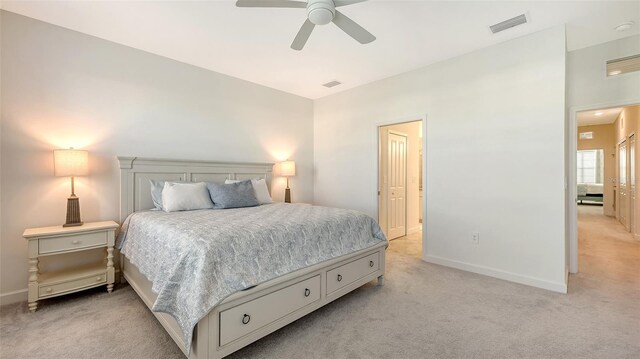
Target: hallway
(609, 256)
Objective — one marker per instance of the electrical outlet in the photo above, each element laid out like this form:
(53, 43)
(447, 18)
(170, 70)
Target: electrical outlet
(476, 238)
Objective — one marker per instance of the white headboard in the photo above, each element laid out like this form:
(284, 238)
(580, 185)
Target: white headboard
(135, 173)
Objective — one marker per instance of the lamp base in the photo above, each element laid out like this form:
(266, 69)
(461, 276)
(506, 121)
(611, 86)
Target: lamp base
(73, 212)
(287, 195)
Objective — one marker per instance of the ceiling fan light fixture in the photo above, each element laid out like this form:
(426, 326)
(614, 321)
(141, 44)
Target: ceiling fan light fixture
(320, 16)
(321, 12)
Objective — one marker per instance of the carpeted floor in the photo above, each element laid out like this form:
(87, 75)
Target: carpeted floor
(423, 311)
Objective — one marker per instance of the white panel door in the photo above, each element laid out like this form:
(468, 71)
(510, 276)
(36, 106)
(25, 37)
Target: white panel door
(396, 186)
(623, 201)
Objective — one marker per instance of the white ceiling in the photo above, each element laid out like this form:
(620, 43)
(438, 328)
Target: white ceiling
(598, 117)
(253, 44)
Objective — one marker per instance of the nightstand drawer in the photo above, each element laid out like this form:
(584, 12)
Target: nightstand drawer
(72, 242)
(72, 285)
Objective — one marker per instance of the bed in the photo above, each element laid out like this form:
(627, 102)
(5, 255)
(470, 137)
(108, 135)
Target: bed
(228, 312)
(591, 192)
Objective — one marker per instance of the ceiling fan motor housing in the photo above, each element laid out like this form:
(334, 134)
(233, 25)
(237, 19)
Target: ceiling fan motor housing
(321, 12)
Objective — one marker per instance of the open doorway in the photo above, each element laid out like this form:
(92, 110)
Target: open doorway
(400, 189)
(607, 210)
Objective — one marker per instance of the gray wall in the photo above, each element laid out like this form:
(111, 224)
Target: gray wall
(61, 88)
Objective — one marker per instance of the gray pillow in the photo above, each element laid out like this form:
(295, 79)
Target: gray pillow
(232, 195)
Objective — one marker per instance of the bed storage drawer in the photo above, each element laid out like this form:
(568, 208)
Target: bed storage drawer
(351, 272)
(243, 319)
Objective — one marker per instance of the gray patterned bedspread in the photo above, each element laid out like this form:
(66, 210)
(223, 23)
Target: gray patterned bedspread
(196, 259)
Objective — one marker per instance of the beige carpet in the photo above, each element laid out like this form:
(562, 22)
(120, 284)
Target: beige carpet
(423, 311)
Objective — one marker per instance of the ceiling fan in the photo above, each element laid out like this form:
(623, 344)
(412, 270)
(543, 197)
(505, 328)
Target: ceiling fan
(319, 12)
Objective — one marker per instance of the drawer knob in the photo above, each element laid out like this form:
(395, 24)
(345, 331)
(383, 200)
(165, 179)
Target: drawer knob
(370, 263)
(98, 279)
(246, 319)
(49, 290)
(307, 292)
(339, 277)
(75, 242)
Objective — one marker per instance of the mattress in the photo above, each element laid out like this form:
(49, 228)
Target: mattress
(196, 259)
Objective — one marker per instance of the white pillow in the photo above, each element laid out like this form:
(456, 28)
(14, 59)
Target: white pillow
(185, 196)
(260, 188)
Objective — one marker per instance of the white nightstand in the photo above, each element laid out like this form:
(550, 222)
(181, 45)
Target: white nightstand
(47, 241)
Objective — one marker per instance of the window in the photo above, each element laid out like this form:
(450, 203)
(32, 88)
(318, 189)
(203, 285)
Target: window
(591, 166)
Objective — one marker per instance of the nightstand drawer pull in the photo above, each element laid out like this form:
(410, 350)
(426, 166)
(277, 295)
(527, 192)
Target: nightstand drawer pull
(246, 319)
(307, 292)
(370, 263)
(98, 279)
(49, 290)
(75, 242)
(339, 278)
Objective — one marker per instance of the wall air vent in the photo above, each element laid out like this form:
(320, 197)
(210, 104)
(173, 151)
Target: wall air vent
(623, 65)
(332, 84)
(507, 24)
(586, 135)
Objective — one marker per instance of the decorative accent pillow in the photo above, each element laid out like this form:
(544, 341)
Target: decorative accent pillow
(232, 195)
(185, 197)
(260, 189)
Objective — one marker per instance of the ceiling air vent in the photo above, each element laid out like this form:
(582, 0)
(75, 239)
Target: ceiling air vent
(623, 65)
(507, 24)
(332, 84)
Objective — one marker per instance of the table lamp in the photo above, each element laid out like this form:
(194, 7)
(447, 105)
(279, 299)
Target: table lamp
(71, 163)
(287, 169)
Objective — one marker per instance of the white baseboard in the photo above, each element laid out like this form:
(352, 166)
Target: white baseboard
(496, 273)
(14, 297)
(414, 230)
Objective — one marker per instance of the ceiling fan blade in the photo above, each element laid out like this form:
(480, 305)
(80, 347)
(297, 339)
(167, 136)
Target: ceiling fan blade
(303, 35)
(352, 28)
(271, 3)
(339, 3)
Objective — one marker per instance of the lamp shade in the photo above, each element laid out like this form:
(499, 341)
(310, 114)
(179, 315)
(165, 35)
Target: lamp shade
(287, 168)
(70, 162)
